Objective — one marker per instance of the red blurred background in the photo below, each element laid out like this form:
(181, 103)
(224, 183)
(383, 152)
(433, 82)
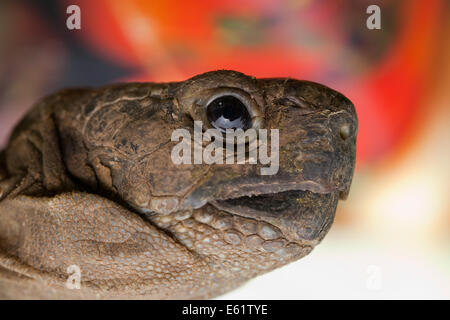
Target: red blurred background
(398, 78)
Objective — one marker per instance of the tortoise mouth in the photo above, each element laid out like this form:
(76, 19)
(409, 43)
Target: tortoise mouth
(199, 197)
(302, 215)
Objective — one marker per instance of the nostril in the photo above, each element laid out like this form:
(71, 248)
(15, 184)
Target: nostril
(344, 131)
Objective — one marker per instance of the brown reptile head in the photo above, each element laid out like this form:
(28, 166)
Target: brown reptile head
(281, 215)
(236, 222)
(317, 139)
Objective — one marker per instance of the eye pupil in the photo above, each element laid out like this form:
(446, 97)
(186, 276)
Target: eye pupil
(228, 112)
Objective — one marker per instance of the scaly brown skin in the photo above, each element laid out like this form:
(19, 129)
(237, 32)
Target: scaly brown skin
(87, 180)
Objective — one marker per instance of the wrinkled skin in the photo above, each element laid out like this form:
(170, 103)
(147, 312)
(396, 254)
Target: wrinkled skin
(87, 180)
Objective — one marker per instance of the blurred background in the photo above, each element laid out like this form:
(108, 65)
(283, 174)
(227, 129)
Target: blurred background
(391, 238)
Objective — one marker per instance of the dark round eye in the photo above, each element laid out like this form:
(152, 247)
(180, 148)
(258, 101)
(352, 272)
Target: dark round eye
(228, 112)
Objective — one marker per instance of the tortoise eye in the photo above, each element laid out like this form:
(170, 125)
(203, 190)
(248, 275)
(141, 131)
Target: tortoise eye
(228, 112)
